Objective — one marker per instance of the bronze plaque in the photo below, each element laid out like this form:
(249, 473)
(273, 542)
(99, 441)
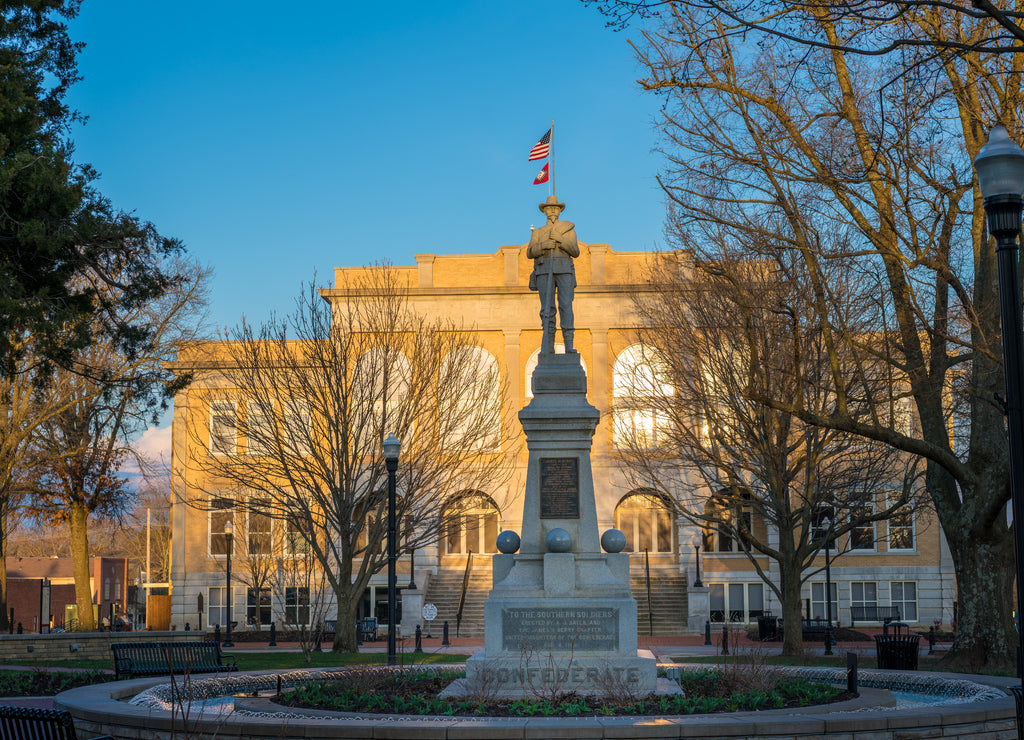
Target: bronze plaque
(559, 488)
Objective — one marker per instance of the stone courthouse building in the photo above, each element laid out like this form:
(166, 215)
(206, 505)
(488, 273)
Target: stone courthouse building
(902, 563)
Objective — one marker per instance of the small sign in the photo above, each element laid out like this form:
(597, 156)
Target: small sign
(429, 612)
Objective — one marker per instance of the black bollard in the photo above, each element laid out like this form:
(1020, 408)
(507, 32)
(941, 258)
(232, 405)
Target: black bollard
(318, 648)
(725, 639)
(444, 638)
(216, 633)
(707, 632)
(273, 635)
(931, 640)
(188, 627)
(20, 629)
(419, 639)
(851, 673)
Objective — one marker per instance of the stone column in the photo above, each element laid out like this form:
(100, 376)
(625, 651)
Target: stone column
(599, 375)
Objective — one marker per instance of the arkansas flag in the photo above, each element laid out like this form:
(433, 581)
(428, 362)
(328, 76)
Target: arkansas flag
(542, 176)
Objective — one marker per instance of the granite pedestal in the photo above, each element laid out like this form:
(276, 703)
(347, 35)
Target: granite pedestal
(560, 616)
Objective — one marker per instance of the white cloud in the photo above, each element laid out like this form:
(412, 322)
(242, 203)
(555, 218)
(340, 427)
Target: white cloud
(155, 445)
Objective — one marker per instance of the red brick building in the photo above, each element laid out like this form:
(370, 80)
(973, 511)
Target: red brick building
(29, 579)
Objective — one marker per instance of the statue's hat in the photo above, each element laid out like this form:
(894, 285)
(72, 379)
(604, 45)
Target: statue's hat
(551, 201)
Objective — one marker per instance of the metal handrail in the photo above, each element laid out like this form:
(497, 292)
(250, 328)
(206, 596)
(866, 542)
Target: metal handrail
(650, 610)
(462, 597)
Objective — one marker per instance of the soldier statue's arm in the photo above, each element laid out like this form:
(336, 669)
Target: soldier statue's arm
(563, 233)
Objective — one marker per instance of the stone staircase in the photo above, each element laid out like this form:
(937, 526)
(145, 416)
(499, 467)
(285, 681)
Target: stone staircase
(444, 590)
(669, 602)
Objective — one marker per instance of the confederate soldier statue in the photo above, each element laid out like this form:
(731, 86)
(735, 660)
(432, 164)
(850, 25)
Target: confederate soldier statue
(552, 249)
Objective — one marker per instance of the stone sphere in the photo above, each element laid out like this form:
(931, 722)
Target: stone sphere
(558, 540)
(508, 542)
(613, 540)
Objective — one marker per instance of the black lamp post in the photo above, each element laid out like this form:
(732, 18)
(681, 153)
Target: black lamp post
(391, 449)
(229, 532)
(696, 546)
(1000, 168)
(829, 637)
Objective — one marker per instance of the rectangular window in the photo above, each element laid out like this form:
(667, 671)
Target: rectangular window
(296, 605)
(639, 427)
(863, 593)
(903, 416)
(901, 529)
(294, 542)
(818, 606)
(257, 607)
(117, 588)
(222, 511)
(740, 602)
(259, 427)
(863, 537)
(223, 428)
(217, 609)
(106, 589)
(259, 528)
(904, 595)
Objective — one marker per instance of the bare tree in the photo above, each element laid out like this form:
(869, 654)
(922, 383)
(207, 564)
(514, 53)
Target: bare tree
(300, 588)
(715, 337)
(114, 388)
(869, 27)
(872, 190)
(293, 418)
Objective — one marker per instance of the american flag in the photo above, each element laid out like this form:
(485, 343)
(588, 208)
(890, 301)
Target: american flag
(541, 148)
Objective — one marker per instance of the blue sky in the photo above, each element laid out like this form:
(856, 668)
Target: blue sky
(280, 141)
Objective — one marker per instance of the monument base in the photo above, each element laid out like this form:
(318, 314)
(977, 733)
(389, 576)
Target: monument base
(544, 675)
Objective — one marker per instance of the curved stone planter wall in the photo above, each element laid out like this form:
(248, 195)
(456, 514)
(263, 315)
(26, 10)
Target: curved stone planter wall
(103, 709)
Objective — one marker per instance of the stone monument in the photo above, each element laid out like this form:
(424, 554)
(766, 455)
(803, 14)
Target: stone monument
(560, 617)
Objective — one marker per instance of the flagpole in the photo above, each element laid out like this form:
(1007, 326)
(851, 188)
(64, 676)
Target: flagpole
(553, 189)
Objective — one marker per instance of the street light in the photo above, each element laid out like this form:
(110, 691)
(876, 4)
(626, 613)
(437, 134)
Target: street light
(829, 637)
(1000, 167)
(696, 546)
(229, 532)
(391, 449)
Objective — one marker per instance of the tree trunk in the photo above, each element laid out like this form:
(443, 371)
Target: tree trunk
(4, 624)
(792, 609)
(985, 636)
(345, 635)
(78, 520)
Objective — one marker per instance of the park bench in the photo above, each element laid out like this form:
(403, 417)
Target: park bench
(808, 626)
(883, 614)
(134, 659)
(22, 723)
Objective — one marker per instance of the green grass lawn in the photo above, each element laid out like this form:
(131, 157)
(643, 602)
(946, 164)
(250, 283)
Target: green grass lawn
(274, 661)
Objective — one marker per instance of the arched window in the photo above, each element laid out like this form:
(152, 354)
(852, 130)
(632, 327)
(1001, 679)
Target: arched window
(640, 387)
(473, 527)
(531, 365)
(382, 379)
(647, 522)
(469, 417)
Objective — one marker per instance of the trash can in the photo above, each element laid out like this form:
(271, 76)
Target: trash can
(897, 652)
(767, 627)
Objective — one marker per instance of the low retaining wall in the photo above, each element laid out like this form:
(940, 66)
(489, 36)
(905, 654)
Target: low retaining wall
(101, 709)
(94, 645)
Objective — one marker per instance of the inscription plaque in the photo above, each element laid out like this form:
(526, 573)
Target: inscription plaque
(559, 488)
(552, 628)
